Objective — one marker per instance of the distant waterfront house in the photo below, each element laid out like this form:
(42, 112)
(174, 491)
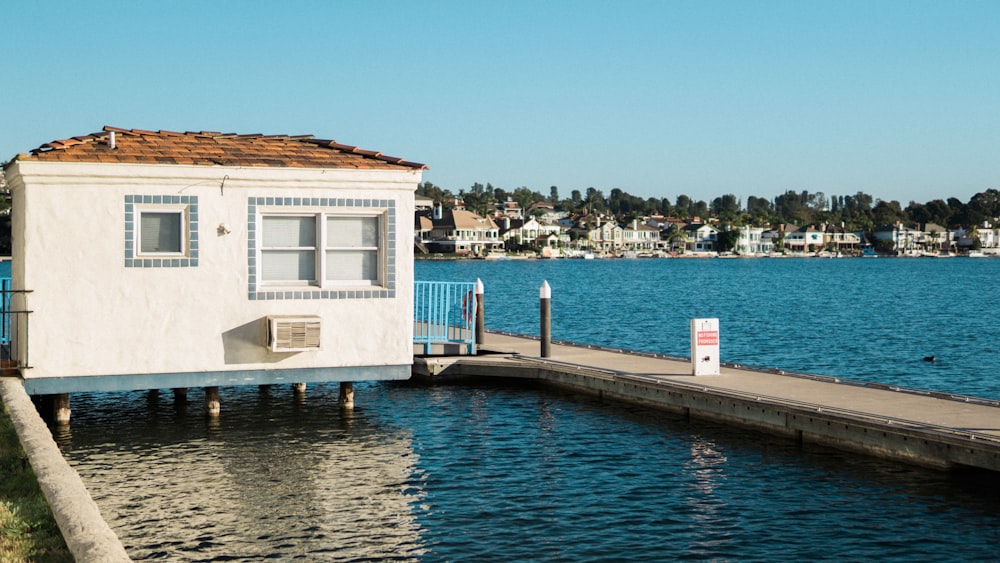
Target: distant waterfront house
(901, 239)
(510, 208)
(805, 239)
(752, 242)
(463, 232)
(155, 259)
(640, 236)
(700, 237)
(839, 239)
(605, 235)
(527, 233)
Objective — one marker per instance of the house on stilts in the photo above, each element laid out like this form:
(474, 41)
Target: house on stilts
(158, 259)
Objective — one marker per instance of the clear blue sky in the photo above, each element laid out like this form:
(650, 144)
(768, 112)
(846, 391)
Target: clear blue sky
(900, 99)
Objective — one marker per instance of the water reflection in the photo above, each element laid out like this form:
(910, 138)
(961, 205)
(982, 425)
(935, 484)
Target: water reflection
(290, 478)
(495, 473)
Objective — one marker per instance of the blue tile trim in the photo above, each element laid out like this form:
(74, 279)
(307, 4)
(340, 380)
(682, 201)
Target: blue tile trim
(191, 252)
(329, 205)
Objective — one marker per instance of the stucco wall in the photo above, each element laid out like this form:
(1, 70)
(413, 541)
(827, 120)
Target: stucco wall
(92, 315)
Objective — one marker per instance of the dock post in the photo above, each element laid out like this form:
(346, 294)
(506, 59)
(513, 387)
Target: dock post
(480, 314)
(60, 408)
(180, 395)
(346, 398)
(545, 329)
(213, 406)
(299, 388)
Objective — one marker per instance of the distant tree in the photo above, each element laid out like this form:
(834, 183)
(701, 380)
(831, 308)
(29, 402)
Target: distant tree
(726, 239)
(699, 209)
(595, 199)
(683, 207)
(726, 208)
(525, 197)
(477, 199)
(888, 212)
(759, 209)
(938, 212)
(499, 194)
(554, 195)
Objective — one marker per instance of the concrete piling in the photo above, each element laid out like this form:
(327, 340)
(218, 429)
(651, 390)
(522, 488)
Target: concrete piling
(346, 398)
(545, 328)
(60, 408)
(213, 406)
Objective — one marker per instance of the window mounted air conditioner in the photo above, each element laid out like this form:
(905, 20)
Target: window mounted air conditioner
(293, 334)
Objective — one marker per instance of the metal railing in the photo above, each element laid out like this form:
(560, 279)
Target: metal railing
(444, 313)
(13, 327)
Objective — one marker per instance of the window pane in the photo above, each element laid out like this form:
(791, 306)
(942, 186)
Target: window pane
(160, 232)
(352, 265)
(288, 265)
(351, 231)
(289, 231)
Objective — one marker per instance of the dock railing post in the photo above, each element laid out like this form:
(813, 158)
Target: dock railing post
(545, 329)
(480, 314)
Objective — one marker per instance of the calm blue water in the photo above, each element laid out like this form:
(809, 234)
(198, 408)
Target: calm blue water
(867, 319)
(512, 473)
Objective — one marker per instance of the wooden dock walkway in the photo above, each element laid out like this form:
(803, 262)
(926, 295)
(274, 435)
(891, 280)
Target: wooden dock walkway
(932, 429)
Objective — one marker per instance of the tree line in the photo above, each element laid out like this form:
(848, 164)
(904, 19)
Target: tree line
(857, 212)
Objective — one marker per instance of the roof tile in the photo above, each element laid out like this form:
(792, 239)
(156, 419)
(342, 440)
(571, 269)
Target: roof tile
(207, 148)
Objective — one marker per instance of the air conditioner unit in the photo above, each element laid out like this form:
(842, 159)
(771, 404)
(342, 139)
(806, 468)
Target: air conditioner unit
(293, 334)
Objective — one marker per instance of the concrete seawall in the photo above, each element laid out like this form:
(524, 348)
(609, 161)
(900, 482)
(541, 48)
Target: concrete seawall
(87, 535)
(942, 432)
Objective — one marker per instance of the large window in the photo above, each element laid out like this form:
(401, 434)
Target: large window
(323, 249)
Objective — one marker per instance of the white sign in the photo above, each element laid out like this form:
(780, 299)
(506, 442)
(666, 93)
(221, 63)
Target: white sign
(705, 347)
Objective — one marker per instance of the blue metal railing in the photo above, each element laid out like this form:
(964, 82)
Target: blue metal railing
(5, 311)
(444, 313)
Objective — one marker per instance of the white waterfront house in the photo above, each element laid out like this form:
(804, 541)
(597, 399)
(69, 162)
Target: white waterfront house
(155, 259)
(751, 241)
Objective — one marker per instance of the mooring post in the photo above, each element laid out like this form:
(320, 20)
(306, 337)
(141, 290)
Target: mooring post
(180, 395)
(480, 314)
(346, 398)
(60, 408)
(545, 305)
(213, 406)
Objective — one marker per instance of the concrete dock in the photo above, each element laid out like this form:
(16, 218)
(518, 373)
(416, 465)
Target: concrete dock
(937, 430)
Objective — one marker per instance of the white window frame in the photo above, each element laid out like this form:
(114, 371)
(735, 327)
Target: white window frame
(320, 248)
(180, 210)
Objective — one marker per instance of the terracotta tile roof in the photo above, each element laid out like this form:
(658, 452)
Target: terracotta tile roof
(209, 148)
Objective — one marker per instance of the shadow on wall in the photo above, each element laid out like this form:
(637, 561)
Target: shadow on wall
(245, 345)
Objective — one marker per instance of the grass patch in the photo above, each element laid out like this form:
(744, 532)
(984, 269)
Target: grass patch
(28, 531)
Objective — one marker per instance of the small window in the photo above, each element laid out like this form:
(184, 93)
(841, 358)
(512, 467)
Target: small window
(161, 232)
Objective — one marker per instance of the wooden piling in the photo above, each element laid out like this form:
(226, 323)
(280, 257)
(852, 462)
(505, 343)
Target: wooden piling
(180, 395)
(299, 388)
(480, 314)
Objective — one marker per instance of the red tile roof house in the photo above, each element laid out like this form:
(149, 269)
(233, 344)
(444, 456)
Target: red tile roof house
(157, 259)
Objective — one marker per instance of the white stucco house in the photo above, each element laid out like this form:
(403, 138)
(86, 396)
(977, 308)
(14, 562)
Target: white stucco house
(156, 259)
